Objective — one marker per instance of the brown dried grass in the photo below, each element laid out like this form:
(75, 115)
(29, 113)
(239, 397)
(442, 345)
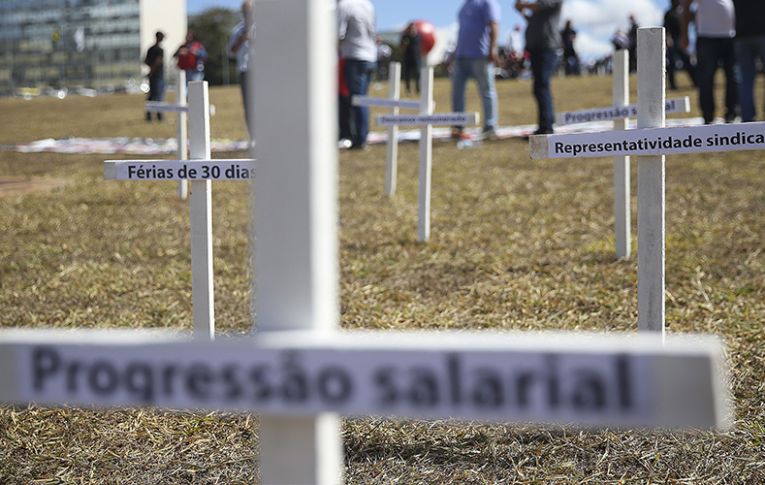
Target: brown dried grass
(515, 245)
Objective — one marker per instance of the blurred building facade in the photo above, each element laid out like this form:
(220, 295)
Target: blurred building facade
(96, 44)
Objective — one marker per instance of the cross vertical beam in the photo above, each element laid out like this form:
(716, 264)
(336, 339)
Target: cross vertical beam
(426, 155)
(622, 216)
(200, 204)
(651, 180)
(183, 150)
(295, 215)
(391, 167)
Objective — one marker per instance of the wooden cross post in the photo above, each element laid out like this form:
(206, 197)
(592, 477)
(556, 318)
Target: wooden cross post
(394, 102)
(181, 109)
(426, 120)
(182, 135)
(620, 113)
(201, 170)
(651, 183)
(295, 216)
(622, 202)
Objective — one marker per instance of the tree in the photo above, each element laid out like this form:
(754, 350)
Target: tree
(213, 28)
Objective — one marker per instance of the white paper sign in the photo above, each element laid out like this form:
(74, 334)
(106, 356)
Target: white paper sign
(179, 169)
(653, 141)
(595, 381)
(386, 103)
(456, 119)
(674, 105)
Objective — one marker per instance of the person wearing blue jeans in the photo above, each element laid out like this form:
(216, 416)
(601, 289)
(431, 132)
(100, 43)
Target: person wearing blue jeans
(543, 42)
(358, 49)
(358, 75)
(474, 58)
(544, 63)
(483, 72)
(750, 46)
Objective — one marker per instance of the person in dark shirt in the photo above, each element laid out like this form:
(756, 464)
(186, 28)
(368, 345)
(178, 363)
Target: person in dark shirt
(750, 46)
(155, 59)
(632, 34)
(570, 57)
(411, 48)
(542, 43)
(676, 55)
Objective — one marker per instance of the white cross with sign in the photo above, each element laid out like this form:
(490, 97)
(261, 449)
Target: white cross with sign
(394, 102)
(180, 107)
(620, 113)
(299, 371)
(426, 120)
(651, 142)
(201, 170)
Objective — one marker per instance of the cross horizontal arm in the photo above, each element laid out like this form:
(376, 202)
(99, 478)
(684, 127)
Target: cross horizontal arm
(215, 169)
(457, 119)
(386, 102)
(587, 380)
(161, 106)
(651, 141)
(674, 105)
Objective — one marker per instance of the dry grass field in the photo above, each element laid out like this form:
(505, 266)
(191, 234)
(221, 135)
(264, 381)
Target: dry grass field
(515, 244)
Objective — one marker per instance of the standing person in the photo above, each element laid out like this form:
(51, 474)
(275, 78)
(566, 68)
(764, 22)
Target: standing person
(750, 46)
(239, 45)
(673, 18)
(570, 57)
(632, 35)
(155, 59)
(542, 44)
(715, 30)
(411, 47)
(356, 28)
(191, 57)
(475, 57)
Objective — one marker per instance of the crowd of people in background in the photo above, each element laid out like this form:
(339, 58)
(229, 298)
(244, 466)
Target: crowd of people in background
(730, 34)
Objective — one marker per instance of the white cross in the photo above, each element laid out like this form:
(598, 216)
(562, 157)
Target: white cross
(426, 120)
(299, 371)
(181, 108)
(651, 142)
(394, 102)
(201, 170)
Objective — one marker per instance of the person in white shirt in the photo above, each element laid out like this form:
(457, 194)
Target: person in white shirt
(715, 33)
(239, 45)
(358, 48)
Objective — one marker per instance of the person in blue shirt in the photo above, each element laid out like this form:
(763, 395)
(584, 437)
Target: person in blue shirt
(475, 57)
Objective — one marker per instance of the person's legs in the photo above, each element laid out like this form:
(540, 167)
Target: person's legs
(460, 75)
(407, 75)
(416, 68)
(745, 55)
(483, 72)
(759, 42)
(357, 76)
(706, 53)
(732, 79)
(244, 85)
(543, 63)
(672, 56)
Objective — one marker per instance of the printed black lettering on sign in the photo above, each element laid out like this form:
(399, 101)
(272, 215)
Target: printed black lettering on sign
(452, 384)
